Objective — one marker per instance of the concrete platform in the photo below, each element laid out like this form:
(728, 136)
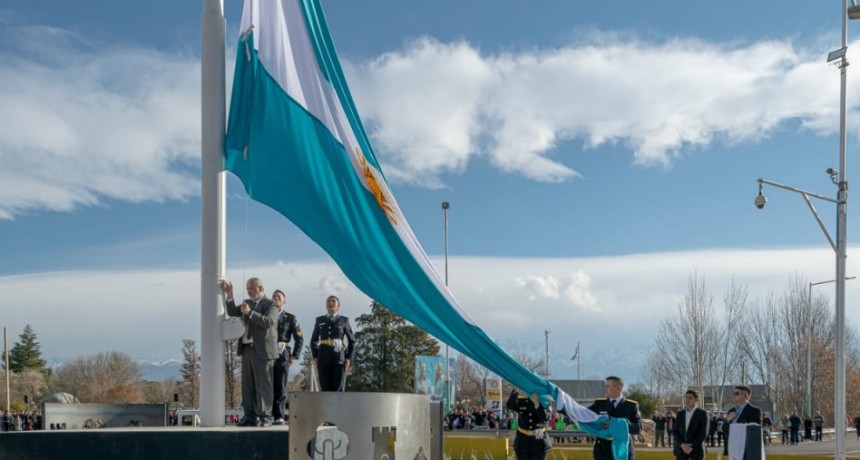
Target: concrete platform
(180, 443)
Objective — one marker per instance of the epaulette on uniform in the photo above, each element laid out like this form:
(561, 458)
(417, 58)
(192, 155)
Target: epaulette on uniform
(601, 399)
(631, 400)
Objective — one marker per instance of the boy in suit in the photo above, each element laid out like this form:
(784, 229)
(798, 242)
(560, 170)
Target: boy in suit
(691, 429)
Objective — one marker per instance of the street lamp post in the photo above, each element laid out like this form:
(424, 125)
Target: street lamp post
(445, 206)
(838, 177)
(809, 345)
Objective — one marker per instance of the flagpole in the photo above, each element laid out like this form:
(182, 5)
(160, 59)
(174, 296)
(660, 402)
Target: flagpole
(213, 218)
(445, 206)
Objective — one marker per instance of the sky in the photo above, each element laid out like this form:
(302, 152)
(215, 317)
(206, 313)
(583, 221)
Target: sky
(595, 155)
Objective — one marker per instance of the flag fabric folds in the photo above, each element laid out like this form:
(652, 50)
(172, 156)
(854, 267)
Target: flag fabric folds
(296, 141)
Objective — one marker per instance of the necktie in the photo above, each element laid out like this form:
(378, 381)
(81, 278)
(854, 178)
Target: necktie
(614, 403)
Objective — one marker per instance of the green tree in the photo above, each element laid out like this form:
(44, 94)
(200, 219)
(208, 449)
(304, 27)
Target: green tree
(26, 353)
(385, 352)
(647, 402)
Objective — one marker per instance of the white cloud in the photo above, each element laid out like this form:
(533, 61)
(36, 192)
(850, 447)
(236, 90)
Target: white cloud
(539, 287)
(578, 291)
(85, 123)
(147, 313)
(433, 107)
(573, 289)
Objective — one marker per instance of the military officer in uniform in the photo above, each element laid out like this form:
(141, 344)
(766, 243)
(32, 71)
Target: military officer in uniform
(615, 405)
(332, 346)
(288, 328)
(531, 442)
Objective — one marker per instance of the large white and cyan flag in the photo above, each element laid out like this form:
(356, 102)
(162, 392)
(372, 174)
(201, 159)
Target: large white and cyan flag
(298, 145)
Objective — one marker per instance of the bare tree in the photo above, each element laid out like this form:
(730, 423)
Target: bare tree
(232, 374)
(530, 362)
(467, 382)
(658, 378)
(30, 382)
(688, 341)
(110, 377)
(189, 387)
(697, 347)
(759, 345)
(721, 368)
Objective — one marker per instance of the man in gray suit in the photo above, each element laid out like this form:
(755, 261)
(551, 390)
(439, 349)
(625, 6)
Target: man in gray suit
(258, 349)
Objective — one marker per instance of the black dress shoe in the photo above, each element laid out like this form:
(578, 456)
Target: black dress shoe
(265, 423)
(246, 422)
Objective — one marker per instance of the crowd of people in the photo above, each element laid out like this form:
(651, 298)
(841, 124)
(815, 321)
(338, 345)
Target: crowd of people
(20, 421)
(477, 419)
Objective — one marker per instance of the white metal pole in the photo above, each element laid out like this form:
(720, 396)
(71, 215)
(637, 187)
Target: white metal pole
(546, 349)
(445, 206)
(6, 357)
(809, 354)
(841, 221)
(213, 220)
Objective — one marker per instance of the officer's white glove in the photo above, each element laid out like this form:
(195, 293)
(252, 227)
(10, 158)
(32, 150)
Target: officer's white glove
(337, 345)
(281, 347)
(538, 434)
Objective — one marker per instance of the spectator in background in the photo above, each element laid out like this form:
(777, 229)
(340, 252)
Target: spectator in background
(721, 422)
(807, 428)
(766, 426)
(794, 424)
(712, 429)
(659, 429)
(670, 426)
(818, 422)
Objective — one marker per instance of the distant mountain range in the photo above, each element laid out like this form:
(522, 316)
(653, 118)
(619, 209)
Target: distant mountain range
(625, 362)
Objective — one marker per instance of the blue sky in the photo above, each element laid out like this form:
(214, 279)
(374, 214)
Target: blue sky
(594, 154)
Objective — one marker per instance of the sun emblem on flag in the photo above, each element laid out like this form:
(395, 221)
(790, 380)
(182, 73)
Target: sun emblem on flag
(377, 191)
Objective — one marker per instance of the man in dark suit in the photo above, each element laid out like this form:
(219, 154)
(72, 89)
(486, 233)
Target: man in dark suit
(691, 429)
(743, 412)
(615, 405)
(332, 357)
(258, 349)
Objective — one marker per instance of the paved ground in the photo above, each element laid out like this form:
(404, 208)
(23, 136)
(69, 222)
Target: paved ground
(825, 448)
